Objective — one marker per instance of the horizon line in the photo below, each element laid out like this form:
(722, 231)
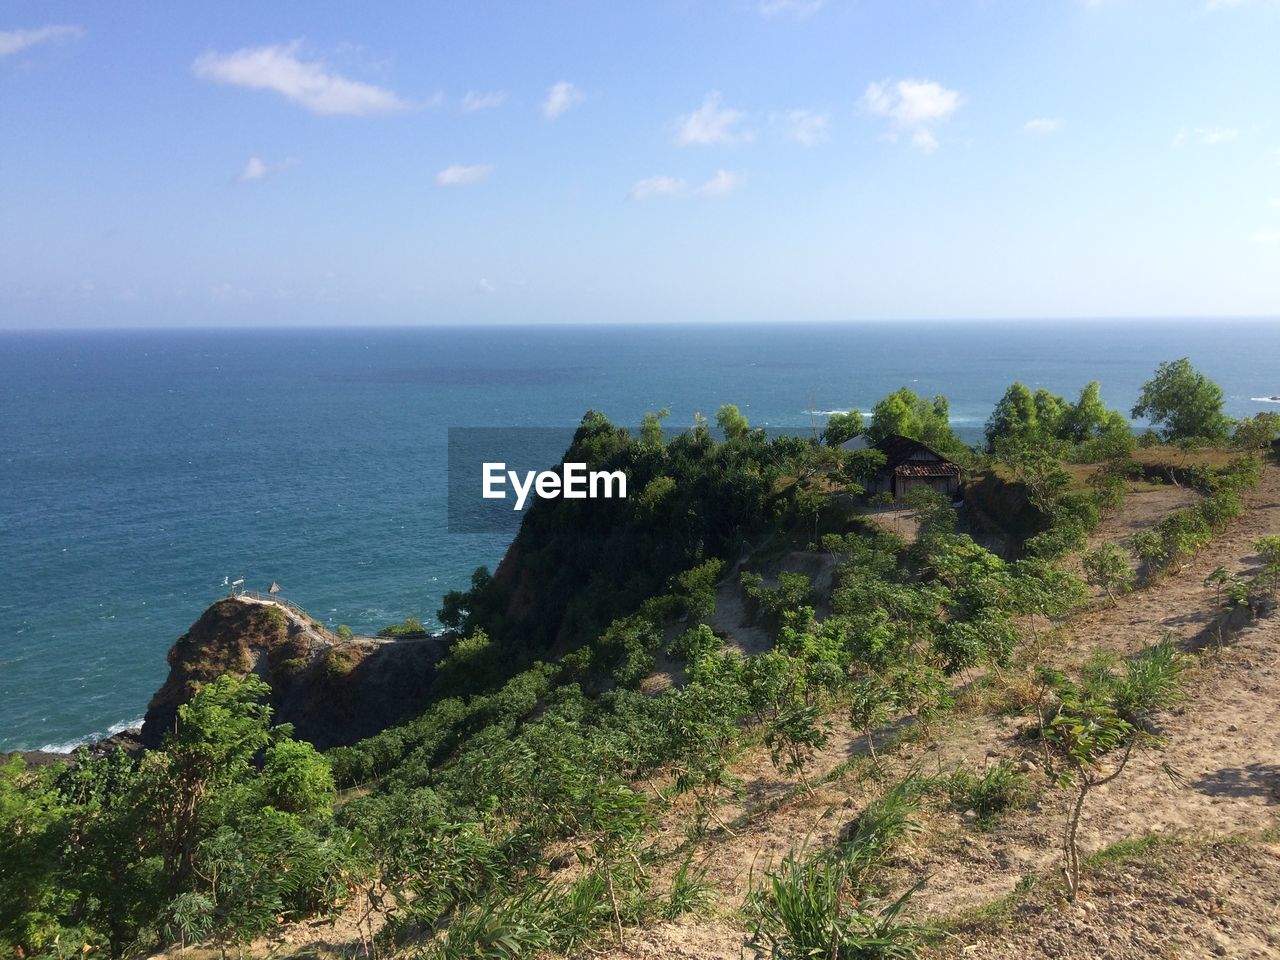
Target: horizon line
(580, 324)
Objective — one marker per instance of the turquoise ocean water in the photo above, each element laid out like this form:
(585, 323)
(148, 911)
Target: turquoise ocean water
(140, 468)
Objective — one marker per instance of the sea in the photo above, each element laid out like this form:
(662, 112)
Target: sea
(142, 470)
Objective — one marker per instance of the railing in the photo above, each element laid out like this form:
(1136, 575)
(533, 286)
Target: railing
(273, 598)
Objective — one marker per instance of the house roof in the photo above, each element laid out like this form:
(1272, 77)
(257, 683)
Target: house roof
(943, 468)
(899, 450)
(905, 457)
(860, 442)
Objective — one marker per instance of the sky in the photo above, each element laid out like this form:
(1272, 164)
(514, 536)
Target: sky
(175, 164)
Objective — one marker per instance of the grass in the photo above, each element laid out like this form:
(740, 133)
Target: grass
(1131, 850)
(989, 794)
(691, 891)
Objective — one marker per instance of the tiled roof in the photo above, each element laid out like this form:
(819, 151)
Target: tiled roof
(943, 468)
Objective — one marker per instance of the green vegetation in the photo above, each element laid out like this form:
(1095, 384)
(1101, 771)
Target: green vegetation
(1107, 568)
(842, 427)
(1104, 713)
(833, 904)
(1184, 403)
(412, 628)
(908, 415)
(226, 828)
(1085, 431)
(1172, 542)
(997, 789)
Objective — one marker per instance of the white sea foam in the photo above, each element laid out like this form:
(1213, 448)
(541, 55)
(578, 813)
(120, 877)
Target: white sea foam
(70, 745)
(1265, 399)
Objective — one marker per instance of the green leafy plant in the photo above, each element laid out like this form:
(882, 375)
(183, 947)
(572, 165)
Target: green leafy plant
(1105, 715)
(998, 788)
(1107, 567)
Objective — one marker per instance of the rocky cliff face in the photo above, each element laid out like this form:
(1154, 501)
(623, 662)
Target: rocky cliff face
(333, 691)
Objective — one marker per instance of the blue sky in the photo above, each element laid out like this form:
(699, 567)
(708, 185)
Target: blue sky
(297, 163)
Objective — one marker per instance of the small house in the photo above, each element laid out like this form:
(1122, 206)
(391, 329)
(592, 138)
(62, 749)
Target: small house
(909, 464)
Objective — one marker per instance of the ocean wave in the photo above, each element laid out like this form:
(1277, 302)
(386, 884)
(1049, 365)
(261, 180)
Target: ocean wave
(70, 745)
(1265, 399)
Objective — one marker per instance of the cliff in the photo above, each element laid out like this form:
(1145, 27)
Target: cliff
(333, 691)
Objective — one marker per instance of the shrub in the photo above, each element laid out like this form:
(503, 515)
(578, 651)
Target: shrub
(411, 628)
(771, 604)
(998, 788)
(1107, 568)
(698, 589)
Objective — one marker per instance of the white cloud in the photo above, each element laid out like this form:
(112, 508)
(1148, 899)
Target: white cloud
(1274, 203)
(795, 8)
(1266, 236)
(474, 101)
(659, 186)
(1206, 136)
(915, 106)
(912, 103)
(256, 168)
(924, 140)
(1222, 4)
(1043, 125)
(306, 82)
(1213, 136)
(721, 184)
(459, 175)
(560, 98)
(806, 127)
(486, 287)
(711, 124)
(15, 41)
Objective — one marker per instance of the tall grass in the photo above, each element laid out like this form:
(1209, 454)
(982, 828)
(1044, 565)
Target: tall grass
(830, 905)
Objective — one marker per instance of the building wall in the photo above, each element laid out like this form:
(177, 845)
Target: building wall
(947, 486)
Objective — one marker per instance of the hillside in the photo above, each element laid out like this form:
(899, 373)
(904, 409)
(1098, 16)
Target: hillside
(745, 711)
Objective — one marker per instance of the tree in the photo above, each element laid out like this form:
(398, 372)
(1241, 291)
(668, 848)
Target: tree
(732, 423)
(1089, 417)
(700, 723)
(1269, 549)
(651, 436)
(1257, 432)
(1185, 403)
(907, 414)
(698, 589)
(1040, 472)
(871, 703)
(1106, 567)
(1051, 414)
(1105, 713)
(842, 427)
(1014, 417)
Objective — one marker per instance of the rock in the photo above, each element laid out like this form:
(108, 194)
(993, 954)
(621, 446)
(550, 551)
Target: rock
(1232, 728)
(334, 692)
(1028, 766)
